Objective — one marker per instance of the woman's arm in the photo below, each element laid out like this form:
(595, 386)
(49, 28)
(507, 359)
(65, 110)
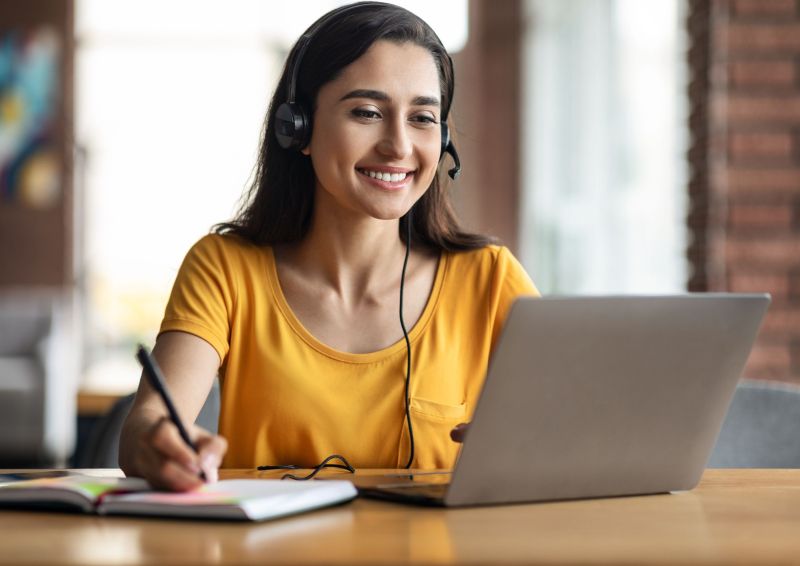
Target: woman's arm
(150, 445)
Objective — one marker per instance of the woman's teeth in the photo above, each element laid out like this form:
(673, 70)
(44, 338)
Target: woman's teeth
(390, 177)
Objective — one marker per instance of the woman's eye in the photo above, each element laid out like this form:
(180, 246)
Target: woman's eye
(425, 119)
(367, 114)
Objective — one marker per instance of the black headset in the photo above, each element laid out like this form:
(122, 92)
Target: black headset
(293, 121)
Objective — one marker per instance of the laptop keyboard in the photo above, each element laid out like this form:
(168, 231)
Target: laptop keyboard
(428, 491)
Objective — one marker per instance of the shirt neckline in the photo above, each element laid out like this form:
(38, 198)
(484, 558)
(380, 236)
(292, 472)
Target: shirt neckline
(369, 357)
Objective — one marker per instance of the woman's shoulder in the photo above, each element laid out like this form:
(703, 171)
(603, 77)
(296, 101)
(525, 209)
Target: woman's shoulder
(493, 264)
(488, 256)
(229, 246)
(226, 256)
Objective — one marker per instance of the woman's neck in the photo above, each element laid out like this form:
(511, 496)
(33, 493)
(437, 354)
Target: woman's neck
(352, 256)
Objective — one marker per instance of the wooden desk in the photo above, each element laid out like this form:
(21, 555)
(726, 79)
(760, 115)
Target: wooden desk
(733, 517)
(96, 404)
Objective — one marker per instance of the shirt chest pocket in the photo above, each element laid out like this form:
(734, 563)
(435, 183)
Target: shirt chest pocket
(432, 422)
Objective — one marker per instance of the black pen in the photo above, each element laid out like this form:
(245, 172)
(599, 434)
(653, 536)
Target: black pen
(156, 379)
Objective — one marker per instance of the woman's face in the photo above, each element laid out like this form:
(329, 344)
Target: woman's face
(376, 139)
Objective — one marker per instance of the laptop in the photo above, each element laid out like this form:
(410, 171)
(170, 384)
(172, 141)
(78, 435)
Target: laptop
(595, 397)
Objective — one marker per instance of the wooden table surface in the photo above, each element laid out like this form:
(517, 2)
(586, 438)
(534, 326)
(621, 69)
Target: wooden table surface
(732, 517)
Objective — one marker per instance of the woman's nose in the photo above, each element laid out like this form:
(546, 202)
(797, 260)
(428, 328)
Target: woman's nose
(396, 141)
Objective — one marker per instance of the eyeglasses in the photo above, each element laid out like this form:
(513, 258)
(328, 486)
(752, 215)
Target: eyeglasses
(345, 465)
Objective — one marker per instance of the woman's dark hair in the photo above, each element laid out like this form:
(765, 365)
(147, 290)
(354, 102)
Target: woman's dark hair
(278, 206)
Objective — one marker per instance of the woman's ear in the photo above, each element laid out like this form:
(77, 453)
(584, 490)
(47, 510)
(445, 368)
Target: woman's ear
(305, 151)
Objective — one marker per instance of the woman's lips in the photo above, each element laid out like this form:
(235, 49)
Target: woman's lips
(390, 178)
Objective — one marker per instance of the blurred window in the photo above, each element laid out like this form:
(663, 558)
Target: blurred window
(604, 168)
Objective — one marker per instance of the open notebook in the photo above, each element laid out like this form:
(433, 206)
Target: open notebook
(240, 499)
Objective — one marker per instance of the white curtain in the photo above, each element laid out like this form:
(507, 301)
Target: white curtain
(604, 170)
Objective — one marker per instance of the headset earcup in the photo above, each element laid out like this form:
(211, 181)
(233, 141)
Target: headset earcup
(292, 126)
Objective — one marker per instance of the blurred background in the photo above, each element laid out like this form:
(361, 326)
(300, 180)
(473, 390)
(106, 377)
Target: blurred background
(616, 146)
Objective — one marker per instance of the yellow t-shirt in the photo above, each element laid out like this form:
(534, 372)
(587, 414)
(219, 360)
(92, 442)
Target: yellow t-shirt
(287, 398)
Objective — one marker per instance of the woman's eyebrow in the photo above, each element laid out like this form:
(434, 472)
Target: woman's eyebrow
(384, 97)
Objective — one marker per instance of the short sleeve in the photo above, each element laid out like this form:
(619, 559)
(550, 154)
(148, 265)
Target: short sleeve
(203, 295)
(510, 280)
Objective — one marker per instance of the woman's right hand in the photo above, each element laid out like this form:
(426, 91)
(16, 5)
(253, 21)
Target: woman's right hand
(150, 445)
(163, 458)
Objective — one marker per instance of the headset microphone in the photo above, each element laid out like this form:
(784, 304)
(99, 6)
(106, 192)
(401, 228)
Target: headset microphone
(456, 170)
(448, 147)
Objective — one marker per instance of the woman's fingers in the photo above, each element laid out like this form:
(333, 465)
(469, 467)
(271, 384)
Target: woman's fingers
(165, 439)
(162, 473)
(170, 475)
(169, 463)
(459, 432)
(211, 448)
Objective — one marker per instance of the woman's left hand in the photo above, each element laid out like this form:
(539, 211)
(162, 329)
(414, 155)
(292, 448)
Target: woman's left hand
(459, 432)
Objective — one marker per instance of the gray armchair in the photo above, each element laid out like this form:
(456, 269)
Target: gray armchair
(761, 429)
(38, 380)
(102, 447)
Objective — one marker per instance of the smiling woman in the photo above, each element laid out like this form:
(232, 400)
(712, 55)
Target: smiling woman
(294, 302)
(375, 150)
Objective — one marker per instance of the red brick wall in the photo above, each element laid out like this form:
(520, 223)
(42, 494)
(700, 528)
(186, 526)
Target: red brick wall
(752, 231)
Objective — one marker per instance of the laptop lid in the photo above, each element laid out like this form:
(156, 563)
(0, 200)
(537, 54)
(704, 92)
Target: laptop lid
(604, 396)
